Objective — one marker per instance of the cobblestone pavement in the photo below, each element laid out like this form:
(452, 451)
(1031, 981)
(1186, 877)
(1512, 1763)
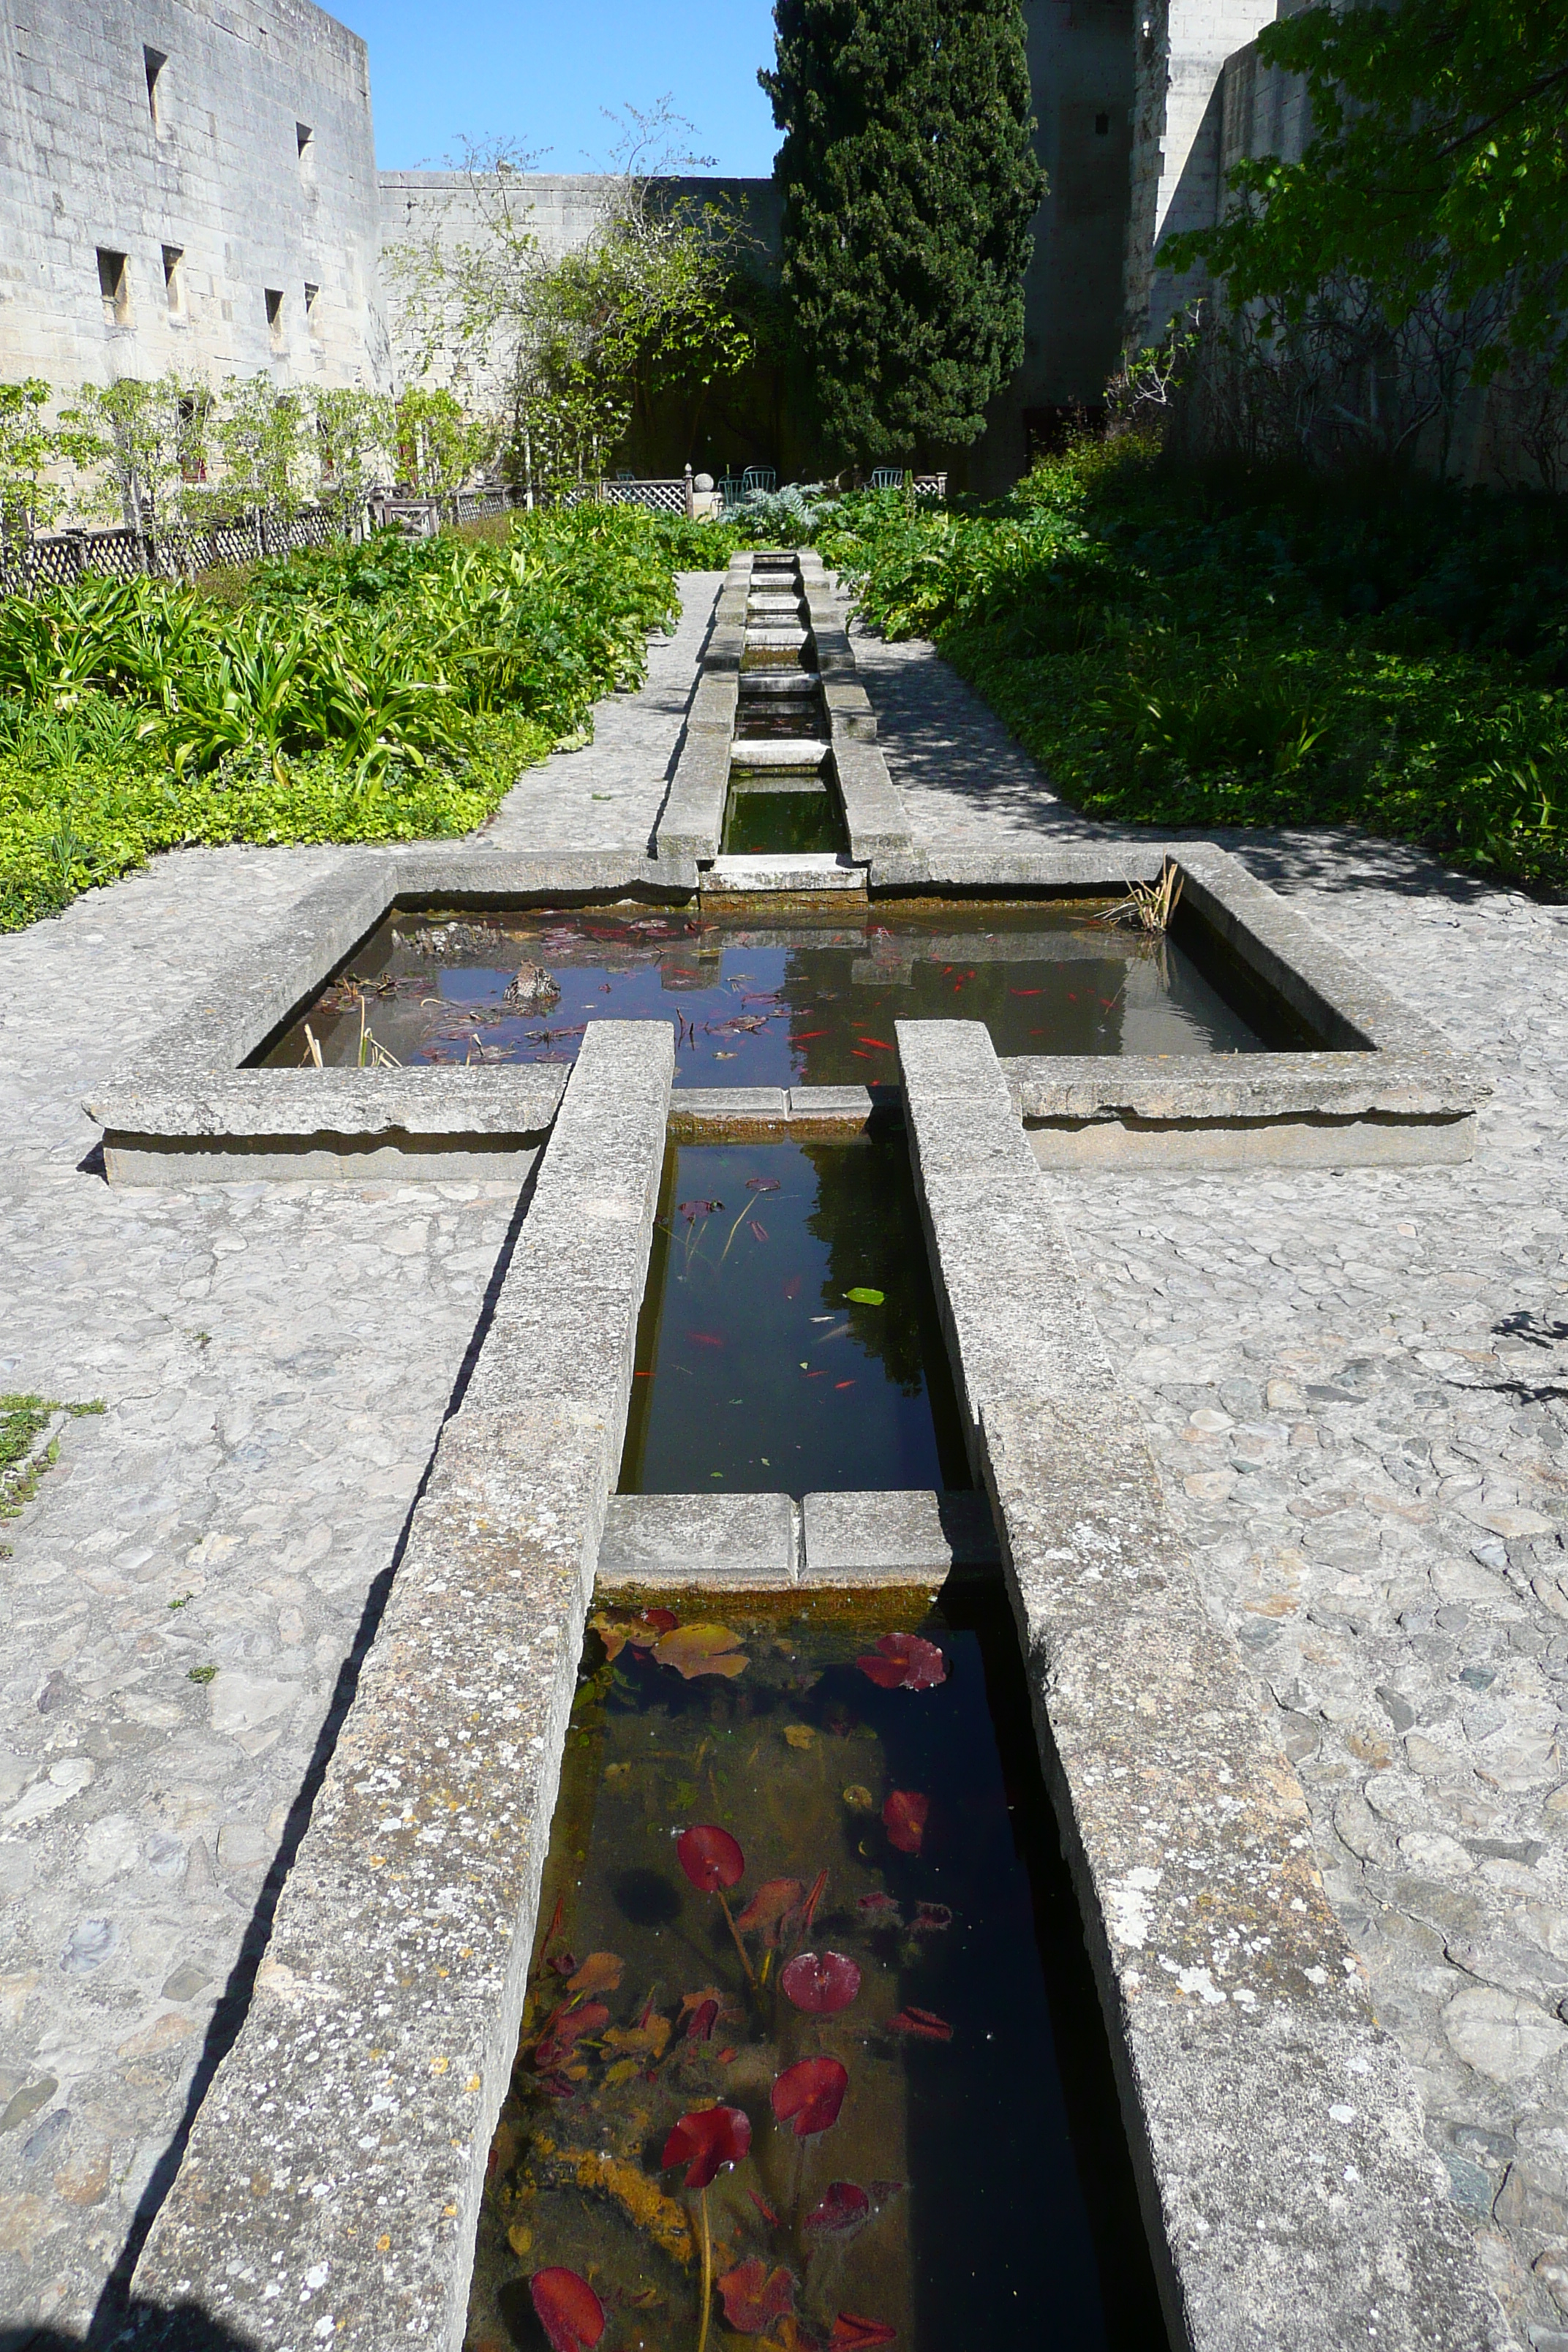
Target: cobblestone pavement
(1356, 1385)
(274, 1361)
(609, 795)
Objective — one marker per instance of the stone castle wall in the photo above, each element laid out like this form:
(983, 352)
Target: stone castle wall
(186, 184)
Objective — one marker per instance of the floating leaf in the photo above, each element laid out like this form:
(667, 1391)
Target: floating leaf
(821, 1983)
(647, 2037)
(810, 2094)
(849, 2329)
(931, 1918)
(707, 2138)
(880, 1910)
(859, 1799)
(903, 1662)
(755, 2296)
(774, 1901)
(600, 1972)
(800, 1734)
(922, 2023)
(616, 1627)
(569, 2311)
(761, 1183)
(695, 1650)
(623, 2070)
(864, 1296)
(904, 1819)
(565, 2030)
(703, 2019)
(845, 2208)
(710, 1857)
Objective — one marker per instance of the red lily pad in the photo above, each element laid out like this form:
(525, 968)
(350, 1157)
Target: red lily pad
(844, 2209)
(809, 2094)
(850, 2329)
(904, 1819)
(703, 2019)
(710, 1857)
(755, 2296)
(771, 1904)
(931, 1918)
(761, 1183)
(707, 2138)
(822, 1983)
(923, 2024)
(880, 1910)
(569, 2311)
(903, 1662)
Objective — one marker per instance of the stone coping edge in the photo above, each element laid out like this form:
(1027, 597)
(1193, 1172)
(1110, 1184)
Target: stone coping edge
(1290, 2200)
(1398, 1097)
(765, 1542)
(331, 2187)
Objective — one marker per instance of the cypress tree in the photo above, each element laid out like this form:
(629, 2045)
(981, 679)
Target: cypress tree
(909, 183)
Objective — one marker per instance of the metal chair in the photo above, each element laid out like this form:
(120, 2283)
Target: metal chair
(758, 478)
(887, 477)
(731, 490)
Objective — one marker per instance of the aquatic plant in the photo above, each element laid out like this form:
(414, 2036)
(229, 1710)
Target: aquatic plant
(702, 2141)
(808, 2096)
(904, 1662)
(904, 1819)
(713, 1862)
(822, 1983)
(569, 2311)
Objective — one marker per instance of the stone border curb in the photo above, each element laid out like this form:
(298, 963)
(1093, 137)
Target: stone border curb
(763, 1542)
(1290, 2198)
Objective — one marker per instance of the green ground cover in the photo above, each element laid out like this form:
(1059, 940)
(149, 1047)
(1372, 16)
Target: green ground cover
(386, 692)
(1182, 648)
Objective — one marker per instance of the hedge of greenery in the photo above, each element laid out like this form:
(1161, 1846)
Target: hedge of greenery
(384, 692)
(1180, 648)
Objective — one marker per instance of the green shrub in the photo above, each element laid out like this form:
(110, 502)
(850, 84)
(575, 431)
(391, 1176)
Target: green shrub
(1188, 648)
(382, 692)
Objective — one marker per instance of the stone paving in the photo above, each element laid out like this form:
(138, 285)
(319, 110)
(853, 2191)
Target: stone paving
(1356, 1385)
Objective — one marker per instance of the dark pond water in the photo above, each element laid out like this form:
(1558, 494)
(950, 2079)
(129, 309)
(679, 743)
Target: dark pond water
(789, 1339)
(818, 1924)
(763, 819)
(807, 1003)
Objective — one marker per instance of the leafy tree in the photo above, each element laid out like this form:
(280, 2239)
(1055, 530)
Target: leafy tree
(143, 445)
(1437, 171)
(439, 445)
(259, 436)
(909, 182)
(29, 500)
(354, 431)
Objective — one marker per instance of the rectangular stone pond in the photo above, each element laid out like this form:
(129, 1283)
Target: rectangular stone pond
(798, 999)
(805, 1934)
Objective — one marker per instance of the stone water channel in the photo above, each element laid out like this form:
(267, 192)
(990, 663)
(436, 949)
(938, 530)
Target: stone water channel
(332, 2181)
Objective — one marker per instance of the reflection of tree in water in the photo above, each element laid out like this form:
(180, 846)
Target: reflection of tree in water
(866, 1220)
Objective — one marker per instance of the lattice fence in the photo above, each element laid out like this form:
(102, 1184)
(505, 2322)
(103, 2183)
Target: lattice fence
(658, 498)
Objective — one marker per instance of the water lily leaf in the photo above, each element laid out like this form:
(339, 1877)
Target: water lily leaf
(859, 1799)
(809, 2094)
(566, 2028)
(710, 1857)
(755, 2296)
(904, 1819)
(695, 1650)
(772, 1903)
(800, 1734)
(600, 1972)
(923, 2024)
(880, 1910)
(821, 1983)
(864, 1296)
(570, 2313)
(623, 2070)
(844, 2209)
(761, 1183)
(904, 1662)
(849, 2329)
(707, 2138)
(703, 2019)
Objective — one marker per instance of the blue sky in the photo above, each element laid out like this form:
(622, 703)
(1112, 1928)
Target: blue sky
(539, 74)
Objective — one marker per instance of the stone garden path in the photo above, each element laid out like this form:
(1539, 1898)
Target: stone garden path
(1356, 1385)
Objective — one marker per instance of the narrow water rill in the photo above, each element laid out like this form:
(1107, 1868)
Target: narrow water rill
(812, 2053)
(789, 1341)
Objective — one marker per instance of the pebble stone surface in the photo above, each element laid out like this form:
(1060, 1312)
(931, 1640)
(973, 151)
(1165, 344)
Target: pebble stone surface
(1355, 1387)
